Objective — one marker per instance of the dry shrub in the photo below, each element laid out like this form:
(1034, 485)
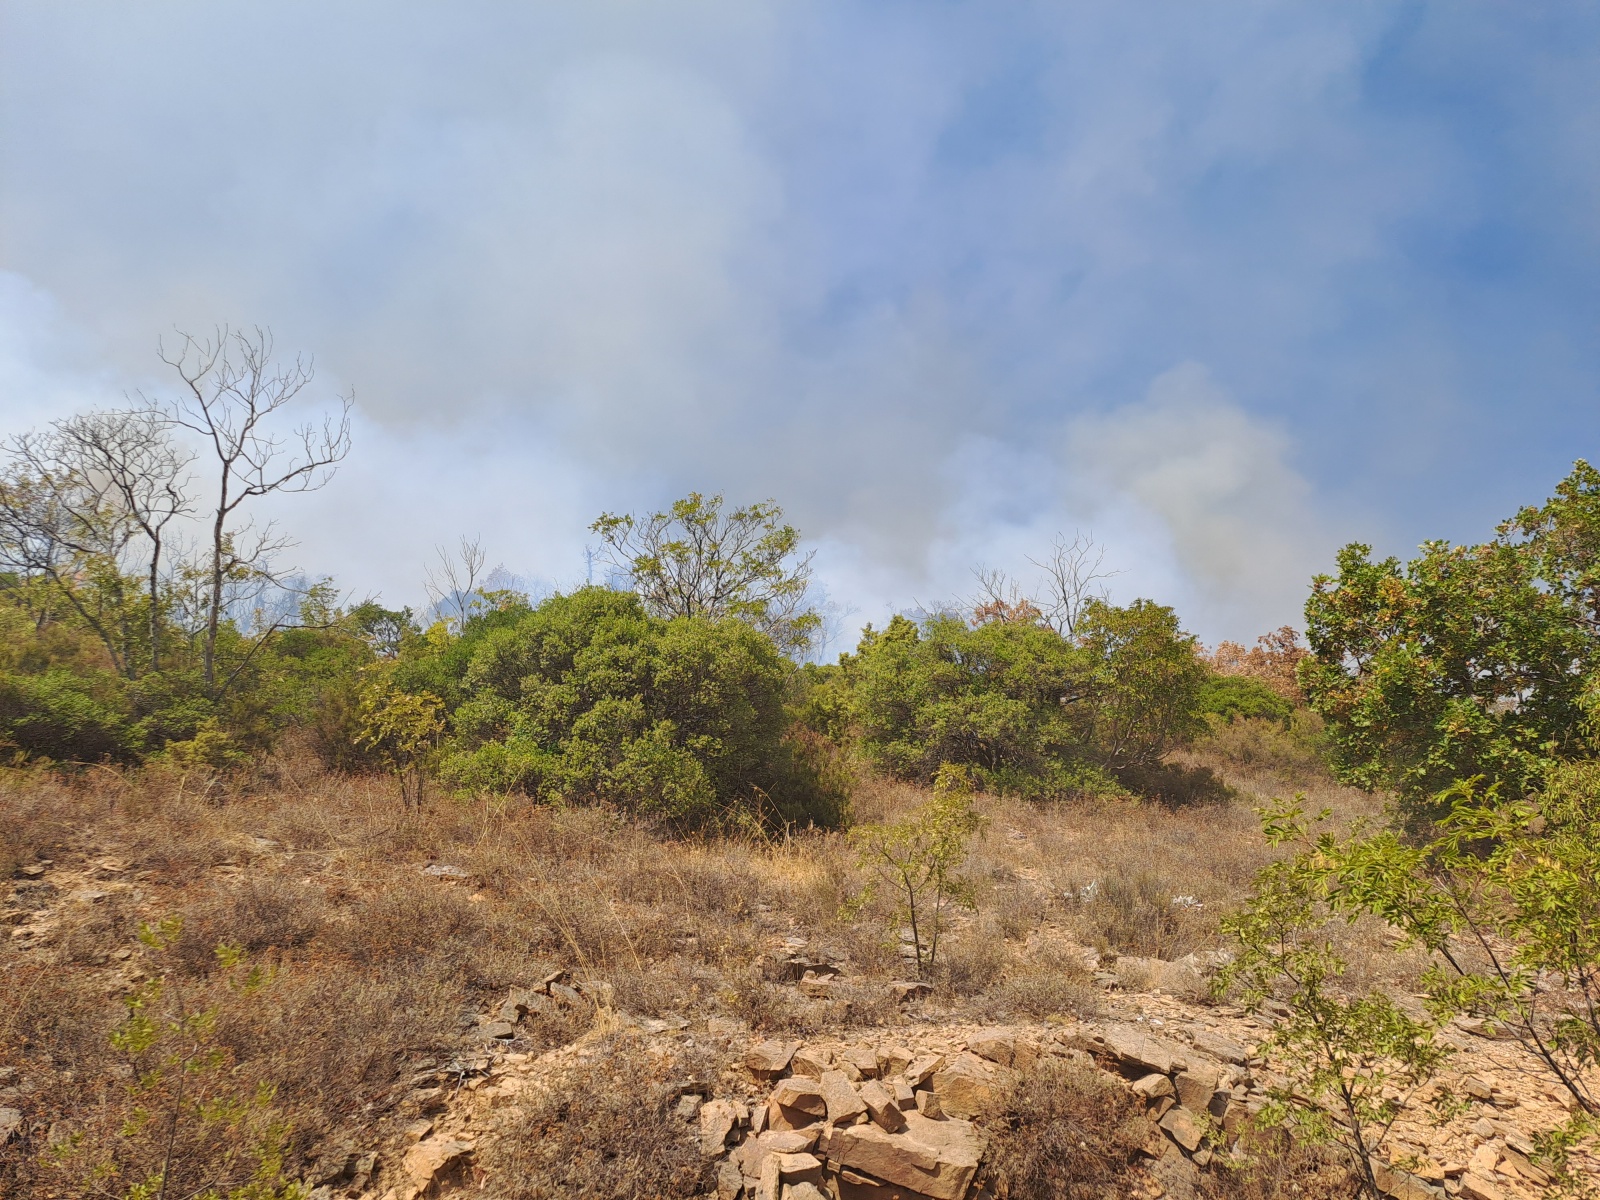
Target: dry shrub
(1290, 1171)
(1260, 742)
(1176, 785)
(1049, 983)
(766, 1007)
(1136, 914)
(608, 1129)
(972, 959)
(1067, 1133)
(256, 914)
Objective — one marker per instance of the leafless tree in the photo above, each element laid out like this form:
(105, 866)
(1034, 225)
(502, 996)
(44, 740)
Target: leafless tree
(233, 392)
(135, 466)
(62, 523)
(1001, 599)
(452, 584)
(1074, 574)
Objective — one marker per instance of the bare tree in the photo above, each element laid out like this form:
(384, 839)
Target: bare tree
(134, 464)
(233, 390)
(60, 522)
(1001, 599)
(452, 584)
(1072, 570)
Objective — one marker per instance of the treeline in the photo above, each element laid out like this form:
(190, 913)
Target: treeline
(135, 626)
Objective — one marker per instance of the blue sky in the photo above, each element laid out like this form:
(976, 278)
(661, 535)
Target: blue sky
(1229, 284)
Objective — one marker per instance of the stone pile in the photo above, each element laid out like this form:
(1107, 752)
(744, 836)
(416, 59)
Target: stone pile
(887, 1121)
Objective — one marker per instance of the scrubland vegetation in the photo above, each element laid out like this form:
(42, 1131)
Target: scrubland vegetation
(272, 861)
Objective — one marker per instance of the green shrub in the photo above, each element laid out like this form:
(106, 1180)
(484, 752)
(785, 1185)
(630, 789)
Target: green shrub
(588, 699)
(1239, 697)
(66, 717)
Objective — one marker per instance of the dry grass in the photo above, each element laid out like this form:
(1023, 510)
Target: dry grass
(376, 968)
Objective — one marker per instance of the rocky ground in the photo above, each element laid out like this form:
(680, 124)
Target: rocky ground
(463, 998)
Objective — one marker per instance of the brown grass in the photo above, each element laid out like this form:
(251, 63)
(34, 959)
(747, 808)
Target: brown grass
(374, 968)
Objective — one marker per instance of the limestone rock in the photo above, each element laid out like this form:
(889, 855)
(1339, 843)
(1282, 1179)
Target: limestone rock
(1153, 1086)
(904, 1096)
(969, 1085)
(730, 1181)
(1181, 1128)
(803, 1190)
(811, 1061)
(862, 1058)
(920, 1069)
(1219, 1047)
(932, 1158)
(1195, 1089)
(801, 1094)
(1403, 1185)
(717, 1121)
(928, 1104)
(907, 990)
(10, 1123)
(771, 1057)
(434, 1161)
(1136, 1050)
(893, 1059)
(844, 1102)
(1476, 1187)
(881, 1106)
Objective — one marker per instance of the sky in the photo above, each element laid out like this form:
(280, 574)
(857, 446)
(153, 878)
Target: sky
(1227, 285)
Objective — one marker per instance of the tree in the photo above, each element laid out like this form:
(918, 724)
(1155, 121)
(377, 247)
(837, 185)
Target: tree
(919, 856)
(233, 390)
(143, 474)
(1469, 661)
(697, 560)
(1074, 571)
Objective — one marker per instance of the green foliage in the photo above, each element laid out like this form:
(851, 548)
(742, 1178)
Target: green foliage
(1030, 712)
(66, 717)
(1507, 897)
(1240, 697)
(1352, 1064)
(696, 560)
(187, 1125)
(918, 857)
(403, 730)
(587, 698)
(1470, 661)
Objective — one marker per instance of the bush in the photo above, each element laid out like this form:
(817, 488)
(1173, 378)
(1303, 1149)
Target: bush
(1030, 712)
(587, 698)
(608, 1130)
(1068, 1133)
(1240, 697)
(65, 717)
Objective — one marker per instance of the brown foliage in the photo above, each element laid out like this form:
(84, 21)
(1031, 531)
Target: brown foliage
(1272, 660)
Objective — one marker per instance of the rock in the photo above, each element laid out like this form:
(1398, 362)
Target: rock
(893, 1059)
(1153, 1086)
(1136, 1050)
(730, 1181)
(497, 1030)
(444, 871)
(1219, 1047)
(920, 1069)
(799, 1166)
(928, 1105)
(802, 1094)
(717, 1120)
(10, 1123)
(804, 1190)
(688, 1106)
(997, 1048)
(844, 1102)
(905, 991)
(1477, 1088)
(1403, 1185)
(1181, 1128)
(817, 987)
(932, 1158)
(881, 1106)
(361, 1171)
(435, 1161)
(904, 1097)
(1476, 1187)
(1195, 1089)
(812, 1061)
(1483, 1160)
(771, 1057)
(1521, 1165)
(863, 1059)
(969, 1085)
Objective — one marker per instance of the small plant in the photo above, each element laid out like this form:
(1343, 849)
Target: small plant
(403, 729)
(1353, 1064)
(188, 1128)
(919, 856)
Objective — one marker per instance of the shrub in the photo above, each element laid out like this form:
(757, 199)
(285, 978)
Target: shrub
(1240, 697)
(607, 1130)
(589, 699)
(1068, 1133)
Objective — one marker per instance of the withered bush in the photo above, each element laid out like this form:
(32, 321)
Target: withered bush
(1280, 1168)
(256, 914)
(1046, 984)
(607, 1130)
(1136, 914)
(1067, 1133)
